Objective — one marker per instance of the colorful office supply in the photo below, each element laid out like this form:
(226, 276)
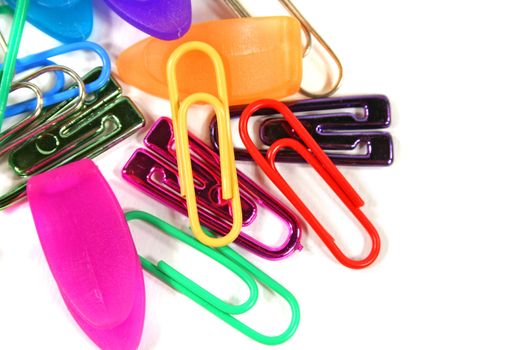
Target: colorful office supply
(59, 76)
(67, 21)
(163, 19)
(314, 155)
(39, 59)
(154, 171)
(340, 125)
(90, 251)
(235, 263)
(331, 85)
(70, 131)
(262, 58)
(8, 67)
(179, 112)
(10, 134)
(4, 9)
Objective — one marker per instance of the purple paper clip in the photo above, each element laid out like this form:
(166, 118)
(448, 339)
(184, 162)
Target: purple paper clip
(337, 124)
(154, 171)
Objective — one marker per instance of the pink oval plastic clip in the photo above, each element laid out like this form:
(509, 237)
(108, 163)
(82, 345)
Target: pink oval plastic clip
(90, 251)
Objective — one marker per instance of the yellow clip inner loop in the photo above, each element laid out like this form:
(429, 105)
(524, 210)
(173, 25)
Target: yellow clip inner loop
(179, 112)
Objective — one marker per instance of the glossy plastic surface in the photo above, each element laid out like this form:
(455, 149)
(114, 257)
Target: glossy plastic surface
(8, 68)
(89, 249)
(179, 114)
(64, 20)
(314, 155)
(338, 124)
(233, 261)
(64, 135)
(163, 19)
(262, 58)
(40, 58)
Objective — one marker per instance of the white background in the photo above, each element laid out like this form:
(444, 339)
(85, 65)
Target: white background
(449, 210)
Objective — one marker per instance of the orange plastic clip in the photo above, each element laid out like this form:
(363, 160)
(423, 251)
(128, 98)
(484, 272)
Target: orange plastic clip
(262, 58)
(315, 156)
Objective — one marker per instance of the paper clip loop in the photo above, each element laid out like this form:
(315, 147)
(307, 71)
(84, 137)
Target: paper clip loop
(8, 68)
(12, 131)
(24, 124)
(338, 124)
(309, 30)
(154, 171)
(235, 263)
(69, 131)
(37, 59)
(179, 110)
(315, 156)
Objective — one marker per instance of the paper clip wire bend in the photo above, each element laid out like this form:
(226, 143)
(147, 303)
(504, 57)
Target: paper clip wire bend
(19, 134)
(179, 110)
(242, 11)
(324, 167)
(309, 30)
(72, 108)
(8, 68)
(5, 135)
(231, 260)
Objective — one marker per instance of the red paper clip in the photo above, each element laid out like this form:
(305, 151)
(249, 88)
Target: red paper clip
(315, 156)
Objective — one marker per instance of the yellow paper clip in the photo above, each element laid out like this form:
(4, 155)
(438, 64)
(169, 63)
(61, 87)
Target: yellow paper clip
(179, 111)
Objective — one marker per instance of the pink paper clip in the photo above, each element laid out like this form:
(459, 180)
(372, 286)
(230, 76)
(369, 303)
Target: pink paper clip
(154, 171)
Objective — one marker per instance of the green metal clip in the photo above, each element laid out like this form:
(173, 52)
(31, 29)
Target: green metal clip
(105, 119)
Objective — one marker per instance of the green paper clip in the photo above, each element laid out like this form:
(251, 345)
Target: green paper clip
(8, 69)
(74, 129)
(4, 10)
(235, 263)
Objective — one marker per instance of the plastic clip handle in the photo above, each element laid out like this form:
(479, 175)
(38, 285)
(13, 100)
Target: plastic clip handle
(315, 156)
(231, 260)
(8, 68)
(309, 31)
(179, 110)
(90, 252)
(163, 19)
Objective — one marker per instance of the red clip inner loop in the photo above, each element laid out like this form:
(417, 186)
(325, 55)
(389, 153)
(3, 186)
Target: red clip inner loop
(316, 157)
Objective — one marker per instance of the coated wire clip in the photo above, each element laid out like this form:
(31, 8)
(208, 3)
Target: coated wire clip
(314, 155)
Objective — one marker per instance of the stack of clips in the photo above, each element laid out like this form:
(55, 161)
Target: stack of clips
(241, 67)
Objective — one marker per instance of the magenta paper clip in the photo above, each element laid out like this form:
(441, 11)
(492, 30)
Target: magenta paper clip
(90, 251)
(154, 171)
(163, 19)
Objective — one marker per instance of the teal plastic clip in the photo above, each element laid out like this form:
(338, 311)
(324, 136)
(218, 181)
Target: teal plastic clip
(235, 263)
(74, 129)
(64, 20)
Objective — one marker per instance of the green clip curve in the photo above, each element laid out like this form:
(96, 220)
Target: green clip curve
(102, 122)
(235, 263)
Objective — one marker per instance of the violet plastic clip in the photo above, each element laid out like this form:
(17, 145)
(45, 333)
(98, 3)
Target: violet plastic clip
(163, 19)
(337, 124)
(154, 171)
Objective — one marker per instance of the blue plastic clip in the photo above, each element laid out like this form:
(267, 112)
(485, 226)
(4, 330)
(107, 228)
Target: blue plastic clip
(67, 21)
